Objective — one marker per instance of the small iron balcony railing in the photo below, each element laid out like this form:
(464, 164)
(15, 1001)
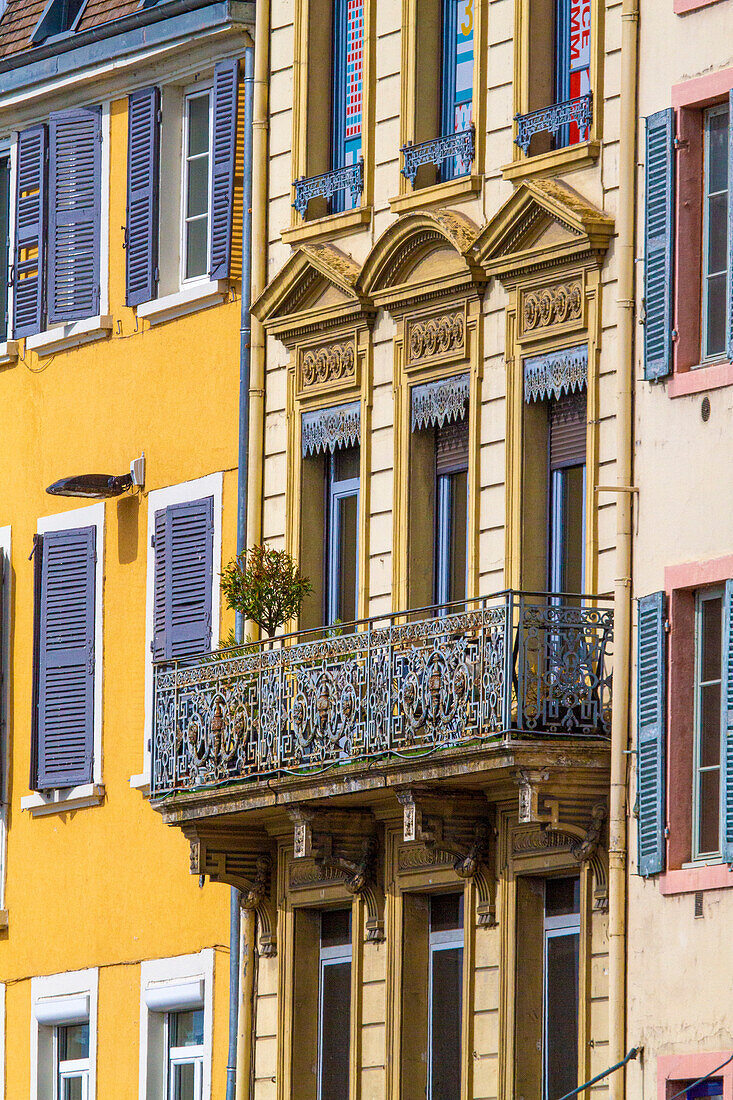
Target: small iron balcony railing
(403, 686)
(349, 178)
(552, 119)
(459, 147)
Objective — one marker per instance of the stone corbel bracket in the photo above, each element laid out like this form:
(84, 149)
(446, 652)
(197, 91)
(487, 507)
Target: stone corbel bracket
(343, 844)
(245, 863)
(456, 824)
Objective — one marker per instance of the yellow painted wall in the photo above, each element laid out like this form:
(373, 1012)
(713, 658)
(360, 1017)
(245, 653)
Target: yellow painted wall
(108, 886)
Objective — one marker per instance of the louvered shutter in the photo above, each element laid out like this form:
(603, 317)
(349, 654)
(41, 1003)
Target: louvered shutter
(729, 317)
(66, 659)
(143, 175)
(651, 732)
(30, 232)
(226, 89)
(37, 556)
(727, 723)
(75, 171)
(659, 244)
(568, 417)
(184, 550)
(451, 447)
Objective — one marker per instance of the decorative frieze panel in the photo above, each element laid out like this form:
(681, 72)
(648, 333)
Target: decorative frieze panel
(436, 337)
(328, 429)
(545, 308)
(555, 374)
(327, 365)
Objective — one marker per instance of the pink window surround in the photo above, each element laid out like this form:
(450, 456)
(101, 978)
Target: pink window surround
(680, 584)
(689, 99)
(682, 7)
(674, 1070)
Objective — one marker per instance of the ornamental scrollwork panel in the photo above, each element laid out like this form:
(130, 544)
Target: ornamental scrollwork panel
(436, 337)
(328, 365)
(547, 307)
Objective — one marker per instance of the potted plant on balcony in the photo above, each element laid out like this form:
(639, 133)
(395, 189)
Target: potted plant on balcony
(265, 586)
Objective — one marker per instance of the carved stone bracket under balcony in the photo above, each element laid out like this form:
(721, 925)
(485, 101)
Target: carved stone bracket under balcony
(344, 847)
(349, 178)
(456, 824)
(550, 120)
(459, 146)
(244, 861)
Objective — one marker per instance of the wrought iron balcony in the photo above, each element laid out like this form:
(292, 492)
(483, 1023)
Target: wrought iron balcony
(552, 119)
(459, 147)
(350, 178)
(511, 666)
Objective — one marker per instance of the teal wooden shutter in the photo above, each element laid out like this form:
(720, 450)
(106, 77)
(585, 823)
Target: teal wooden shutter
(30, 232)
(659, 245)
(143, 172)
(75, 174)
(224, 110)
(184, 552)
(727, 723)
(729, 317)
(651, 731)
(66, 659)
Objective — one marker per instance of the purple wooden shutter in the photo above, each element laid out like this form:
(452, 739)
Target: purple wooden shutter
(66, 659)
(30, 235)
(75, 174)
(143, 174)
(226, 86)
(184, 551)
(37, 556)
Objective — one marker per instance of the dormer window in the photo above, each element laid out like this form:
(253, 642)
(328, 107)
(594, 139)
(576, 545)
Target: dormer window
(59, 17)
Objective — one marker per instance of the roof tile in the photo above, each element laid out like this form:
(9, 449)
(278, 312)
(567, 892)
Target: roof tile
(21, 16)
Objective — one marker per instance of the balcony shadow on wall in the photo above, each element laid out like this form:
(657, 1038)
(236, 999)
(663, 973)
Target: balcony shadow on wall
(128, 522)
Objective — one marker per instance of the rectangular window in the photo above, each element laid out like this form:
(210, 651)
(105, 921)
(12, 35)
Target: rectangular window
(561, 987)
(182, 607)
(715, 232)
(342, 517)
(334, 1005)
(456, 108)
(4, 244)
(445, 996)
(185, 1033)
(705, 1088)
(71, 1044)
(451, 511)
(707, 720)
(346, 91)
(567, 432)
(197, 165)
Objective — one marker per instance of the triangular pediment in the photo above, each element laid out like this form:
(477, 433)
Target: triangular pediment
(317, 285)
(544, 222)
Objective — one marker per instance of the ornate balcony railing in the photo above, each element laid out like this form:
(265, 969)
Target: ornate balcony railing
(350, 178)
(509, 666)
(552, 119)
(459, 147)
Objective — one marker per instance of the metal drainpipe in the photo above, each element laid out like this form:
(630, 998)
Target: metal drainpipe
(617, 846)
(244, 368)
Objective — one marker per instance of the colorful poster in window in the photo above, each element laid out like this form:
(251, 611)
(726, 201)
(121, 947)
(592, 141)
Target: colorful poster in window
(354, 79)
(463, 100)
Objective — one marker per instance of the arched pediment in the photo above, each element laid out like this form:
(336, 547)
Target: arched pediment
(316, 288)
(421, 255)
(544, 223)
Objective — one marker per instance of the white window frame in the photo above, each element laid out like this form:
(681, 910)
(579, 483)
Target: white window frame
(702, 596)
(166, 985)
(339, 491)
(710, 112)
(195, 91)
(331, 956)
(449, 940)
(211, 485)
(59, 999)
(184, 1056)
(553, 928)
(86, 794)
(70, 1068)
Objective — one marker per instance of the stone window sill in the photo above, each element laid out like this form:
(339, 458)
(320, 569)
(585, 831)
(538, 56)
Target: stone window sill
(70, 335)
(187, 300)
(571, 157)
(8, 352)
(347, 221)
(689, 880)
(141, 783)
(438, 193)
(59, 801)
(711, 377)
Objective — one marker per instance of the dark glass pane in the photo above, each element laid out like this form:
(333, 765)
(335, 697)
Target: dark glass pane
(718, 152)
(4, 240)
(717, 233)
(184, 1081)
(446, 1007)
(347, 566)
(561, 1015)
(710, 725)
(73, 1042)
(198, 125)
(705, 1088)
(562, 897)
(197, 248)
(187, 1028)
(335, 1030)
(71, 1088)
(715, 342)
(709, 813)
(446, 912)
(572, 534)
(711, 626)
(335, 927)
(197, 194)
(346, 463)
(458, 532)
